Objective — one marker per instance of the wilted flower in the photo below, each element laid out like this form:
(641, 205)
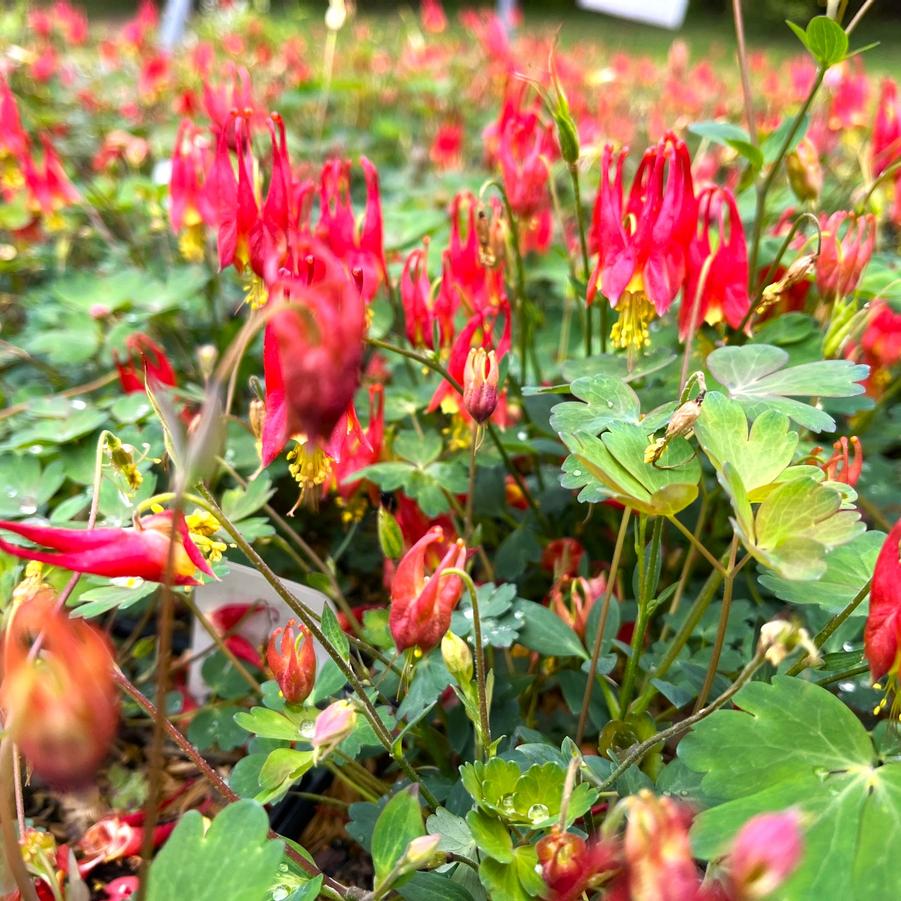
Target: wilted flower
(882, 635)
(421, 605)
(480, 384)
(643, 245)
(59, 706)
(764, 854)
(292, 659)
(141, 551)
(332, 726)
(779, 637)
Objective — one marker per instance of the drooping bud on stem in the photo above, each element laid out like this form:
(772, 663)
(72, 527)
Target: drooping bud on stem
(480, 384)
(457, 658)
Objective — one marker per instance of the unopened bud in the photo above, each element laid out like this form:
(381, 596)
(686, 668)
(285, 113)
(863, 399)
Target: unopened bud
(480, 384)
(805, 175)
(332, 726)
(391, 539)
(457, 658)
(206, 359)
(779, 637)
(764, 854)
(421, 852)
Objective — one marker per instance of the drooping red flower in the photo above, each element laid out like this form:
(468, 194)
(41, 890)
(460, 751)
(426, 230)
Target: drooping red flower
(228, 619)
(446, 152)
(880, 346)
(423, 312)
(292, 658)
(887, 127)
(643, 245)
(421, 604)
(573, 599)
(569, 864)
(312, 352)
(562, 557)
(882, 635)
(353, 448)
(141, 551)
(145, 358)
(59, 706)
(431, 14)
(360, 249)
(848, 241)
(843, 466)
(480, 377)
(190, 207)
(717, 289)
(115, 838)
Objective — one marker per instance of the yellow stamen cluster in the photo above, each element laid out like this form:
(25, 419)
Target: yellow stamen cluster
(255, 292)
(192, 242)
(630, 331)
(11, 175)
(311, 467)
(202, 527)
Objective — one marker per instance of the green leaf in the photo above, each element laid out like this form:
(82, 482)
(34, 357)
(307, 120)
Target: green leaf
(757, 377)
(760, 456)
(268, 724)
(491, 784)
(848, 569)
(543, 631)
(616, 461)
(283, 767)
(514, 881)
(826, 40)
(418, 449)
(234, 859)
(332, 630)
(96, 601)
(719, 131)
(793, 744)
(797, 523)
(429, 886)
(398, 824)
(239, 503)
(456, 837)
(491, 835)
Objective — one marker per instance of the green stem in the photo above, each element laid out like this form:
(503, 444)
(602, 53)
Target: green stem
(602, 623)
(635, 755)
(764, 187)
(306, 617)
(647, 569)
(823, 635)
(702, 602)
(698, 545)
(481, 675)
(470, 494)
(721, 628)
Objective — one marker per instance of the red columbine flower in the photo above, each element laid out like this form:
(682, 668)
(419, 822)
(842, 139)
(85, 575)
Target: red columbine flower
(228, 619)
(446, 152)
(421, 605)
(718, 289)
(887, 128)
(480, 383)
(13, 139)
(882, 635)
(312, 351)
(360, 249)
(145, 357)
(423, 312)
(880, 346)
(764, 854)
(353, 447)
(292, 659)
(848, 243)
(570, 865)
(190, 207)
(141, 551)
(642, 248)
(574, 599)
(431, 14)
(60, 707)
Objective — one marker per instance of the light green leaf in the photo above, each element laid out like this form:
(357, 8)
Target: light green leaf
(757, 377)
(283, 767)
(196, 865)
(848, 568)
(543, 631)
(826, 40)
(794, 744)
(491, 836)
(602, 399)
(759, 457)
(333, 632)
(398, 824)
(268, 724)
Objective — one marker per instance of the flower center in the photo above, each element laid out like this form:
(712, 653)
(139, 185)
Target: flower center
(630, 331)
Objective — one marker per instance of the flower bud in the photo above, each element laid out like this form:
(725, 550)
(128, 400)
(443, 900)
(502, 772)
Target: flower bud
(805, 175)
(480, 384)
(292, 660)
(457, 658)
(420, 852)
(779, 637)
(570, 865)
(332, 726)
(764, 853)
(795, 274)
(206, 359)
(391, 538)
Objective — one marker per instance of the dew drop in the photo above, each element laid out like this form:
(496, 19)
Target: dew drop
(35, 449)
(78, 405)
(847, 686)
(28, 508)
(12, 492)
(538, 812)
(519, 615)
(577, 472)
(507, 803)
(610, 404)
(521, 436)
(467, 613)
(307, 728)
